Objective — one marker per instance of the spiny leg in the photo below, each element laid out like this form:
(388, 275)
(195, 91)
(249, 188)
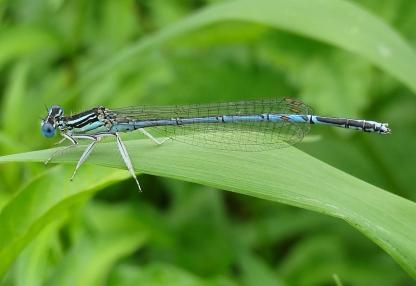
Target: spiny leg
(86, 153)
(60, 141)
(61, 151)
(151, 137)
(123, 151)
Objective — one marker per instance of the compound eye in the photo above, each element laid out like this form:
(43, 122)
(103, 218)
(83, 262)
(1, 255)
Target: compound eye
(56, 110)
(48, 130)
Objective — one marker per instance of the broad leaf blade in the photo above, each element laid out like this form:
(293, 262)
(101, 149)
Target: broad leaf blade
(337, 22)
(285, 175)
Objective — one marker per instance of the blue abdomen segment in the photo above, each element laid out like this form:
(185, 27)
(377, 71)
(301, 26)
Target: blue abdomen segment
(363, 125)
(295, 118)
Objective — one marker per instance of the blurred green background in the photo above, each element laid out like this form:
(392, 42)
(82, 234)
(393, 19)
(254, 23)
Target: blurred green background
(177, 233)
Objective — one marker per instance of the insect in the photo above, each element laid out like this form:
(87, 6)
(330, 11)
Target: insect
(255, 125)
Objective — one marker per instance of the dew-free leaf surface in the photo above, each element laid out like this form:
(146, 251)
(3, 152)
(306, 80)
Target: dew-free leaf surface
(338, 22)
(285, 175)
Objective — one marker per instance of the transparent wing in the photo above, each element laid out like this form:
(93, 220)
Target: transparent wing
(241, 136)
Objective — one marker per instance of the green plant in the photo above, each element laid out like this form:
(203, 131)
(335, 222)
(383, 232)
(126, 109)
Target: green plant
(209, 56)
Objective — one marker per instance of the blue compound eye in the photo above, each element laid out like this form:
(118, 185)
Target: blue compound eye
(48, 130)
(56, 110)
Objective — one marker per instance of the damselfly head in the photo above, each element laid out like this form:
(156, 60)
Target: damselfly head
(49, 124)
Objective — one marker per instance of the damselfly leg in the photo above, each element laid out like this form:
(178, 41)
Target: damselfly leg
(150, 136)
(86, 153)
(126, 158)
(61, 151)
(95, 139)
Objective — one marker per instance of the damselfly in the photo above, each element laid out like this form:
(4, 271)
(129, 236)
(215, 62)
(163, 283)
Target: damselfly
(246, 125)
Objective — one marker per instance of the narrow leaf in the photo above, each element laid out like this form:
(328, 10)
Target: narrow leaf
(337, 22)
(285, 175)
(41, 201)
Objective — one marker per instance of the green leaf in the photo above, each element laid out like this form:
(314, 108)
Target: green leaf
(161, 274)
(114, 232)
(21, 41)
(285, 175)
(42, 201)
(34, 262)
(14, 99)
(337, 22)
(256, 272)
(89, 262)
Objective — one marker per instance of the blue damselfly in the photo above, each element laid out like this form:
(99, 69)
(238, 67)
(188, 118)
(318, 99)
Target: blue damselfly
(246, 125)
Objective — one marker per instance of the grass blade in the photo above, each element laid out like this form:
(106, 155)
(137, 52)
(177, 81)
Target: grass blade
(286, 175)
(43, 200)
(337, 22)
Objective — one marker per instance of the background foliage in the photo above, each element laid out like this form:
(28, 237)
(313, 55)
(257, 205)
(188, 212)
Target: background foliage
(178, 233)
